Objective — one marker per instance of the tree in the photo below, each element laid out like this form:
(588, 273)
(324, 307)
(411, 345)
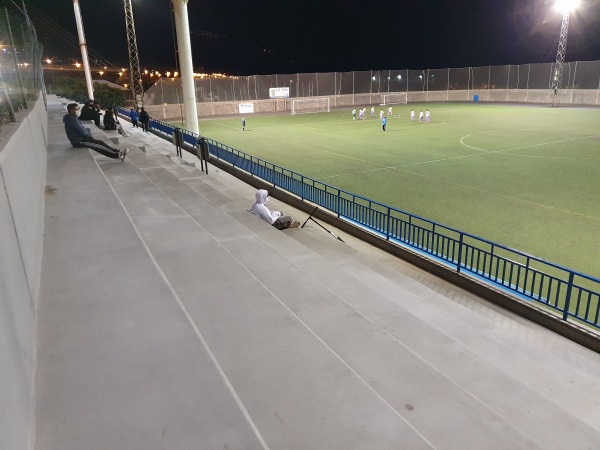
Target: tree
(76, 90)
(107, 96)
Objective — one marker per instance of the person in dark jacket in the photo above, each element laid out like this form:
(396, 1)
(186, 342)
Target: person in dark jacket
(109, 120)
(89, 112)
(80, 137)
(144, 119)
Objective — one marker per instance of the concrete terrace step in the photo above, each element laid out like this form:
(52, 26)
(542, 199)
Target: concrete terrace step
(299, 303)
(542, 361)
(526, 359)
(378, 270)
(253, 336)
(377, 308)
(118, 365)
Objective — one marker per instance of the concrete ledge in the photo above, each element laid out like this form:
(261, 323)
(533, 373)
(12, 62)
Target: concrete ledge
(530, 311)
(22, 203)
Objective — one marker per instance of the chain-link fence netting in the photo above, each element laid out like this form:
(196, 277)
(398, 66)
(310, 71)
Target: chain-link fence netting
(21, 75)
(514, 80)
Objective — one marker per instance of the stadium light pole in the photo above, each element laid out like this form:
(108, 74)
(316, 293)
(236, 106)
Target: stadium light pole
(184, 48)
(565, 7)
(84, 52)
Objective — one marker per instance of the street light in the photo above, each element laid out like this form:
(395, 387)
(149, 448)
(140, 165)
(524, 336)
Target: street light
(565, 7)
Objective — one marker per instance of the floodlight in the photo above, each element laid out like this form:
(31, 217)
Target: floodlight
(399, 77)
(565, 6)
(373, 78)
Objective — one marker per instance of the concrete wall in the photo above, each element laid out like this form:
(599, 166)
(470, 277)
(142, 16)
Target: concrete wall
(22, 185)
(580, 97)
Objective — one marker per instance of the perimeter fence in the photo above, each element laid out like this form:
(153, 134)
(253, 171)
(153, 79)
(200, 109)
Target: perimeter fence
(21, 74)
(570, 294)
(578, 75)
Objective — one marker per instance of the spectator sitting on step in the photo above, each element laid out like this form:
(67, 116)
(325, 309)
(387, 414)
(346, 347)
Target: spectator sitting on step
(80, 137)
(278, 219)
(109, 120)
(89, 112)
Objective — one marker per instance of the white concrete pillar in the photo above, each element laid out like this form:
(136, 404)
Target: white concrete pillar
(84, 53)
(186, 65)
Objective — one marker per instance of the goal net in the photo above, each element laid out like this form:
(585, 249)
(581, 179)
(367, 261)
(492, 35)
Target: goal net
(399, 98)
(310, 105)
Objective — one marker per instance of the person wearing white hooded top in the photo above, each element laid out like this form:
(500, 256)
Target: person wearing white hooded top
(278, 219)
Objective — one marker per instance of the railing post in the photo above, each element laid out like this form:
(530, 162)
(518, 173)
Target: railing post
(526, 276)
(302, 193)
(568, 299)
(389, 220)
(339, 200)
(460, 247)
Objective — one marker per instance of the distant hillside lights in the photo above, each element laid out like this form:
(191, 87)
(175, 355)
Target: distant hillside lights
(148, 75)
(147, 72)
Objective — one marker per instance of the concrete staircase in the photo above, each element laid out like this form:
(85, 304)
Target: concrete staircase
(171, 318)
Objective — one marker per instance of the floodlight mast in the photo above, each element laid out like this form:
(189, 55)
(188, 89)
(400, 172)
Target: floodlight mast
(135, 73)
(84, 52)
(184, 50)
(565, 6)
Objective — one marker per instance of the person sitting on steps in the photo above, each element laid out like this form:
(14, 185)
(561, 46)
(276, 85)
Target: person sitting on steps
(109, 120)
(80, 137)
(278, 219)
(89, 112)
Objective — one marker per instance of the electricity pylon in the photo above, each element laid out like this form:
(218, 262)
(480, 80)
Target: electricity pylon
(135, 74)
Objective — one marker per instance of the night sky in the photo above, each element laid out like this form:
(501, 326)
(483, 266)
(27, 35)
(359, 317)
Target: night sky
(290, 36)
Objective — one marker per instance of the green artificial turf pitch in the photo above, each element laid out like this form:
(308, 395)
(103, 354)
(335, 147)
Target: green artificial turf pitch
(526, 177)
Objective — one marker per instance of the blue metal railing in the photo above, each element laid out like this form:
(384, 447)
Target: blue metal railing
(572, 294)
